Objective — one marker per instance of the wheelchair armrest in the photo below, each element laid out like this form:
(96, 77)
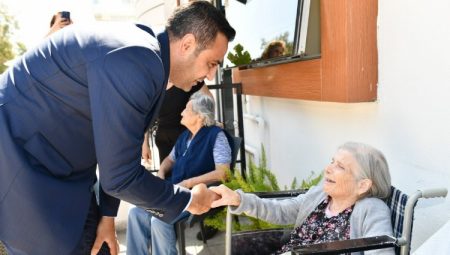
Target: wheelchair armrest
(280, 194)
(344, 246)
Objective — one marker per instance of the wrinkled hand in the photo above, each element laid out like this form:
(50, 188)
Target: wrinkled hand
(106, 232)
(202, 199)
(227, 196)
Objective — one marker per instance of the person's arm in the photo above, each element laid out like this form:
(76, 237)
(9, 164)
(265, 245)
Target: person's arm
(287, 209)
(166, 167)
(58, 24)
(216, 175)
(124, 88)
(252, 205)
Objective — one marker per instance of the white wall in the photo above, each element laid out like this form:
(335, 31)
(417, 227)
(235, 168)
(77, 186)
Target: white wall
(154, 12)
(410, 122)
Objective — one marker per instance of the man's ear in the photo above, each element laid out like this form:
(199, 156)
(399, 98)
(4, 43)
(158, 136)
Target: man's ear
(363, 186)
(188, 44)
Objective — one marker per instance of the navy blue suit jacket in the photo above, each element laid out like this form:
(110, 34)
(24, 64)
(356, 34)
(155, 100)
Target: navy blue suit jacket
(82, 97)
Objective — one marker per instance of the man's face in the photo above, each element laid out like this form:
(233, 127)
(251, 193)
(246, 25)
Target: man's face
(193, 66)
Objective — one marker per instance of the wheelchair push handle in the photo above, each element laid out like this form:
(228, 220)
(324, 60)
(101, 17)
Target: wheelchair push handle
(438, 192)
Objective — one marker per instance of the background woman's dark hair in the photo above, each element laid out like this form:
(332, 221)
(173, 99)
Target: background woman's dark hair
(53, 20)
(201, 19)
(271, 47)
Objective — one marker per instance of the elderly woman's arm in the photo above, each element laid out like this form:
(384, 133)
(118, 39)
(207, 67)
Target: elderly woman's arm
(166, 167)
(276, 211)
(214, 176)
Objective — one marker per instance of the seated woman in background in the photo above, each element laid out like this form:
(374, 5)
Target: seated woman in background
(201, 154)
(347, 204)
(274, 49)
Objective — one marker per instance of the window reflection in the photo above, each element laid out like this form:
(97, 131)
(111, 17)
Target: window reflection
(265, 28)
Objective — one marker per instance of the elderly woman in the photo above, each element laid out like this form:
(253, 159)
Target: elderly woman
(201, 154)
(348, 204)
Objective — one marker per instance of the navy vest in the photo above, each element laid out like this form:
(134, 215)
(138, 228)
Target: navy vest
(198, 158)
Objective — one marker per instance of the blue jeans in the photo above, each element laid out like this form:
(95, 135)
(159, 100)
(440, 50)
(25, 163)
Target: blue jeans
(145, 232)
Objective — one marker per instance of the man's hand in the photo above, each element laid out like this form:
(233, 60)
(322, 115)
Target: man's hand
(106, 232)
(202, 198)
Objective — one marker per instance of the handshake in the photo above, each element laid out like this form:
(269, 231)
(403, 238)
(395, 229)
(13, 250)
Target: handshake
(203, 198)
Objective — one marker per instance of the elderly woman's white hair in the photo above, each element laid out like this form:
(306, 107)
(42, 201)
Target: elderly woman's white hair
(203, 105)
(373, 166)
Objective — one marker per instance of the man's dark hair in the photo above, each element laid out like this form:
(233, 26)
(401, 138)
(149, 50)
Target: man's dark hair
(201, 19)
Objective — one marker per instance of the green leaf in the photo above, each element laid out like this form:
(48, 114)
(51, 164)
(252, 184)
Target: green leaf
(240, 57)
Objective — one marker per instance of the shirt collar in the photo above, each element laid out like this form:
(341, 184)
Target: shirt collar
(163, 39)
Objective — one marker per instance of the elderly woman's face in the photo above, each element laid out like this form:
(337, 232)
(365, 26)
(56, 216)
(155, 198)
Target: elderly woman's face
(189, 117)
(339, 175)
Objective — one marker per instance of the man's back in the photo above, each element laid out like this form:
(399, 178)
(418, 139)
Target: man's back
(47, 94)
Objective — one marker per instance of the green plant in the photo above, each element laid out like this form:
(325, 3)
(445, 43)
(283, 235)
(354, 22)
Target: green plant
(258, 178)
(241, 57)
(9, 48)
(308, 183)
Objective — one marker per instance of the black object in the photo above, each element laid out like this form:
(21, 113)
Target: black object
(209, 232)
(65, 15)
(344, 246)
(266, 241)
(257, 242)
(280, 194)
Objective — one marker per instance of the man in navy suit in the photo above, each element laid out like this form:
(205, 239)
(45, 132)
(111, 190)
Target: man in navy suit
(84, 97)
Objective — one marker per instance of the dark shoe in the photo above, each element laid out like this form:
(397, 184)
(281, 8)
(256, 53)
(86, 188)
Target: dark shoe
(209, 233)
